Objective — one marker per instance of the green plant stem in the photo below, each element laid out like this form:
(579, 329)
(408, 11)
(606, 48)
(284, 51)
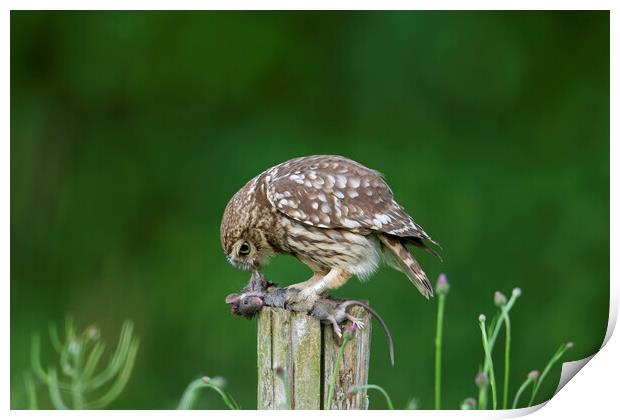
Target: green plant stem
(388, 401)
(482, 398)
(506, 358)
(494, 328)
(31, 392)
(191, 394)
(556, 356)
(522, 388)
(121, 380)
(76, 383)
(438, 342)
(54, 391)
(489, 361)
(332, 382)
(501, 320)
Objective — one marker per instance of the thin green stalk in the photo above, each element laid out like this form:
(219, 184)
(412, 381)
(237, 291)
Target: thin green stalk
(438, 343)
(494, 329)
(54, 337)
(35, 358)
(482, 390)
(191, 394)
(557, 355)
(332, 382)
(482, 398)
(121, 380)
(54, 390)
(506, 358)
(76, 347)
(31, 392)
(522, 388)
(498, 326)
(388, 401)
(118, 358)
(489, 360)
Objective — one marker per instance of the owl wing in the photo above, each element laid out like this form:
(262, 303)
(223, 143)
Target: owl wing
(336, 192)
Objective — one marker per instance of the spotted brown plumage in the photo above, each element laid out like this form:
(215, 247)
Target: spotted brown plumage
(332, 213)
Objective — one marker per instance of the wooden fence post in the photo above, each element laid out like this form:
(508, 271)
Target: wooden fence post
(296, 356)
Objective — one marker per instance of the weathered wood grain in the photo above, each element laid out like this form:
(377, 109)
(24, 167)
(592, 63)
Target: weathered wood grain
(353, 370)
(296, 355)
(263, 357)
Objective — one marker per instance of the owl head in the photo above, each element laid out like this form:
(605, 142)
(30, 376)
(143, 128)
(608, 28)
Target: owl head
(241, 234)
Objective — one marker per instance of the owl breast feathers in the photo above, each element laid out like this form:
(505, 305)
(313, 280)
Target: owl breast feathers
(328, 211)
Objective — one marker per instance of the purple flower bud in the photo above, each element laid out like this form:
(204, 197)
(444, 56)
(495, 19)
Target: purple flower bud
(350, 331)
(533, 375)
(482, 380)
(442, 287)
(469, 404)
(353, 391)
(499, 299)
(279, 371)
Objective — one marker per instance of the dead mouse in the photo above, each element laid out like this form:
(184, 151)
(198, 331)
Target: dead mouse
(260, 292)
(334, 312)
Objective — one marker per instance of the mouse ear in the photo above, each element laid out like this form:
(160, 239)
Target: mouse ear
(232, 298)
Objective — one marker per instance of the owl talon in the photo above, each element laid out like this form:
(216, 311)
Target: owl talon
(303, 300)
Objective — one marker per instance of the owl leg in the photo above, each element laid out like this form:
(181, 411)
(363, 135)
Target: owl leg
(310, 282)
(304, 300)
(333, 280)
(315, 287)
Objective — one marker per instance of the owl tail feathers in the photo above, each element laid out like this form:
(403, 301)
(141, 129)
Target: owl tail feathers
(399, 257)
(420, 244)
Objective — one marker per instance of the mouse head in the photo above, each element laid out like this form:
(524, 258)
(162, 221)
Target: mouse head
(246, 305)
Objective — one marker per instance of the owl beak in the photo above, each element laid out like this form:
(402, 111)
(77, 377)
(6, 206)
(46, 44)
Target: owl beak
(242, 264)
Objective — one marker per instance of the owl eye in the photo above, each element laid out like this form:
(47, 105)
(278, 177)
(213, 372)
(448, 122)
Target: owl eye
(244, 249)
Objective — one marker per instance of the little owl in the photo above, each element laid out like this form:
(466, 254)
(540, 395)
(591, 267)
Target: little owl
(335, 215)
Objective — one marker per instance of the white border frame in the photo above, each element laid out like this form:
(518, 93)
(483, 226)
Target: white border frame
(593, 394)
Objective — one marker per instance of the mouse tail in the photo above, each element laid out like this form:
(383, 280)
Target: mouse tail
(384, 326)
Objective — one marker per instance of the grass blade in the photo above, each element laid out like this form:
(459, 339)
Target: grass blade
(506, 358)
(556, 356)
(388, 400)
(488, 360)
(30, 391)
(190, 395)
(531, 378)
(332, 382)
(438, 344)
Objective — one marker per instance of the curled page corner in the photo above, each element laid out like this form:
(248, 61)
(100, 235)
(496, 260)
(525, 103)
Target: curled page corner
(570, 369)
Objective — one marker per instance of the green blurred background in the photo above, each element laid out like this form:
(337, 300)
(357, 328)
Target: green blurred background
(130, 131)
